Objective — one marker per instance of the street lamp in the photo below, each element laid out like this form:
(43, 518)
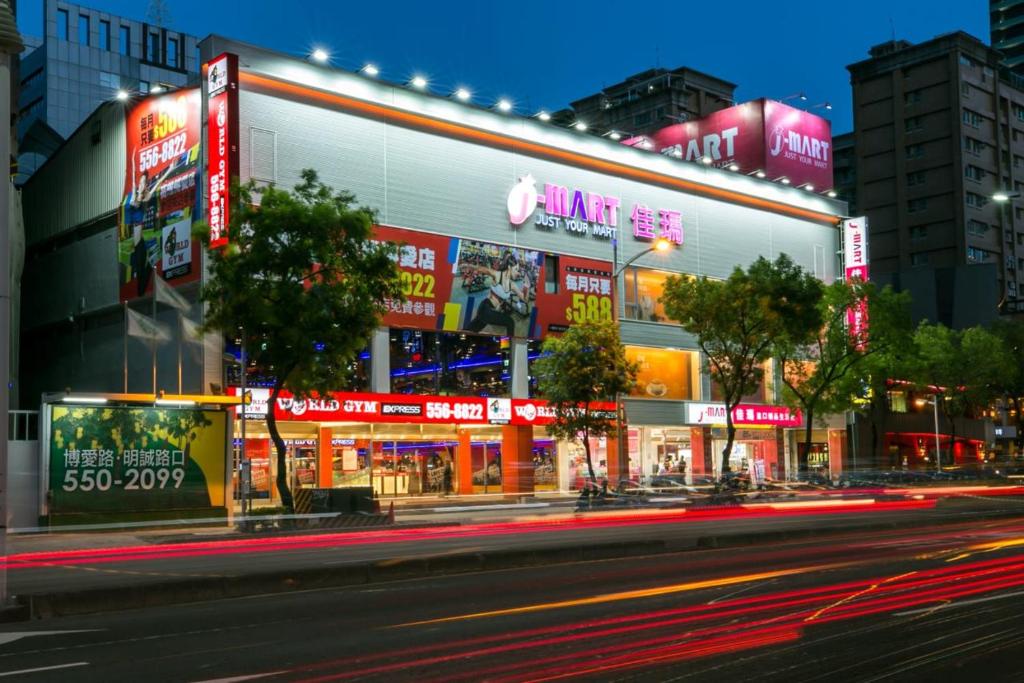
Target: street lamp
(934, 401)
(660, 245)
(1003, 197)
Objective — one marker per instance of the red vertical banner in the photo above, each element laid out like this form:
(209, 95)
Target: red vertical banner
(222, 143)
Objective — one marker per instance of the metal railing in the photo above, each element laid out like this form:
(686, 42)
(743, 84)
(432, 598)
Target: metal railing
(23, 425)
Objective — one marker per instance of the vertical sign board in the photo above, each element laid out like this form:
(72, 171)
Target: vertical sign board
(160, 198)
(125, 460)
(855, 257)
(222, 143)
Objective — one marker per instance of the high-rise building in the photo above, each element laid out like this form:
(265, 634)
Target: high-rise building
(1006, 28)
(651, 100)
(85, 58)
(938, 133)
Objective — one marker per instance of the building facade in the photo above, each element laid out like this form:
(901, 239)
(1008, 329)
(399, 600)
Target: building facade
(937, 134)
(650, 100)
(85, 58)
(1006, 29)
(530, 218)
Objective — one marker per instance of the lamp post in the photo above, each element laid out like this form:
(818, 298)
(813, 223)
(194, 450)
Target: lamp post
(934, 401)
(660, 245)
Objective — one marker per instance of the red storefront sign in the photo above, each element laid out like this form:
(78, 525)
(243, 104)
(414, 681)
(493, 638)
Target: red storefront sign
(460, 285)
(222, 143)
(743, 414)
(159, 202)
(855, 256)
(761, 135)
(407, 408)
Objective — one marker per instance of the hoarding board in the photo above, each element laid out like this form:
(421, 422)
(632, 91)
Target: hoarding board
(160, 198)
(124, 459)
(461, 285)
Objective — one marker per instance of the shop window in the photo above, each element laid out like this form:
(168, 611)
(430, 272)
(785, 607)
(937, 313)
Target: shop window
(763, 393)
(898, 401)
(533, 352)
(356, 375)
(550, 274)
(444, 363)
(644, 288)
(665, 373)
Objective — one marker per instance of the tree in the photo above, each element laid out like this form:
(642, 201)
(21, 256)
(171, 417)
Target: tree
(584, 366)
(738, 321)
(828, 372)
(303, 284)
(1011, 379)
(961, 368)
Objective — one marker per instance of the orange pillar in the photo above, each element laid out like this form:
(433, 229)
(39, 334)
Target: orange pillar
(701, 452)
(779, 445)
(836, 451)
(516, 459)
(325, 460)
(464, 464)
(618, 467)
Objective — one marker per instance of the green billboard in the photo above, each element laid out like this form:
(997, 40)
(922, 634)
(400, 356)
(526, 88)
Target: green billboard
(124, 459)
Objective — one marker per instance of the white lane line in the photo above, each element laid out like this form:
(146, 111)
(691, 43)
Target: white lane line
(42, 668)
(12, 636)
(238, 679)
(962, 603)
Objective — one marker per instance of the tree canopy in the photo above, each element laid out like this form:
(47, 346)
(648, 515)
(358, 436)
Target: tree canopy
(739, 320)
(584, 366)
(304, 284)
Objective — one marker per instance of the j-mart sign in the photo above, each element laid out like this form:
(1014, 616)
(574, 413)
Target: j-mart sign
(743, 414)
(583, 212)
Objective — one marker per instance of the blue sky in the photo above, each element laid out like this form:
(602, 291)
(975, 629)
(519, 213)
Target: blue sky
(545, 54)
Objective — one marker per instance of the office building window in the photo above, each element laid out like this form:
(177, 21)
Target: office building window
(172, 52)
(976, 255)
(144, 87)
(919, 259)
(1019, 111)
(918, 233)
(1020, 264)
(915, 205)
(83, 29)
(912, 97)
(966, 61)
(972, 119)
(125, 41)
(915, 151)
(976, 200)
(153, 48)
(965, 89)
(977, 228)
(973, 146)
(110, 80)
(104, 35)
(974, 173)
(916, 178)
(62, 24)
(912, 124)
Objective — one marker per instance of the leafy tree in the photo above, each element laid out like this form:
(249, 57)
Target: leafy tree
(304, 284)
(827, 373)
(961, 368)
(586, 365)
(738, 321)
(1011, 379)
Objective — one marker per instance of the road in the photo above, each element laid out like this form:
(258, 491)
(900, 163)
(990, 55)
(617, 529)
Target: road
(930, 603)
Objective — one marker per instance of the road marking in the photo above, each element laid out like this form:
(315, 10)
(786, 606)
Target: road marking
(12, 636)
(633, 594)
(962, 603)
(43, 668)
(238, 679)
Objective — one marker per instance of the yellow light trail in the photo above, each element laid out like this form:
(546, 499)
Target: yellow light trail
(633, 594)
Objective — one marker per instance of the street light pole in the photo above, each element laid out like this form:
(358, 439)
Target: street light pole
(938, 453)
(660, 244)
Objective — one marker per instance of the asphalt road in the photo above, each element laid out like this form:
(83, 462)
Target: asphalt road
(930, 603)
(43, 565)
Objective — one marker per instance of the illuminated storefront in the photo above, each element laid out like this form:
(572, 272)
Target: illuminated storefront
(506, 229)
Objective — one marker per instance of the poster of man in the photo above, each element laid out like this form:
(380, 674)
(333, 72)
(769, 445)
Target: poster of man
(497, 286)
(160, 192)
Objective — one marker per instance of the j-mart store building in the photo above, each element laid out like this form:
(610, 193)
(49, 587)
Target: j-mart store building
(507, 226)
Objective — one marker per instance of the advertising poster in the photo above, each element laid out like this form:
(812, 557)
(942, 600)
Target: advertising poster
(136, 459)
(160, 199)
(221, 143)
(455, 285)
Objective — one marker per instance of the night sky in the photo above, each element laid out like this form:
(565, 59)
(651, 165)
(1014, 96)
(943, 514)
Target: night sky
(543, 54)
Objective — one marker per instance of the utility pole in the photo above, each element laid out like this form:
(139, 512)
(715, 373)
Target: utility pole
(10, 44)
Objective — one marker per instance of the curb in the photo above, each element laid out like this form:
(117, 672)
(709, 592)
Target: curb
(46, 605)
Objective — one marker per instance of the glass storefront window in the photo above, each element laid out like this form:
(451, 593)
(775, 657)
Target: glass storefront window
(356, 378)
(643, 289)
(665, 373)
(443, 363)
(763, 393)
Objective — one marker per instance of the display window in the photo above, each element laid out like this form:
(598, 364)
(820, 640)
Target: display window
(643, 290)
(665, 373)
(764, 392)
(579, 472)
(446, 363)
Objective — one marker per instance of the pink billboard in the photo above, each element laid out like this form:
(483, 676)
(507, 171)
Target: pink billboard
(761, 135)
